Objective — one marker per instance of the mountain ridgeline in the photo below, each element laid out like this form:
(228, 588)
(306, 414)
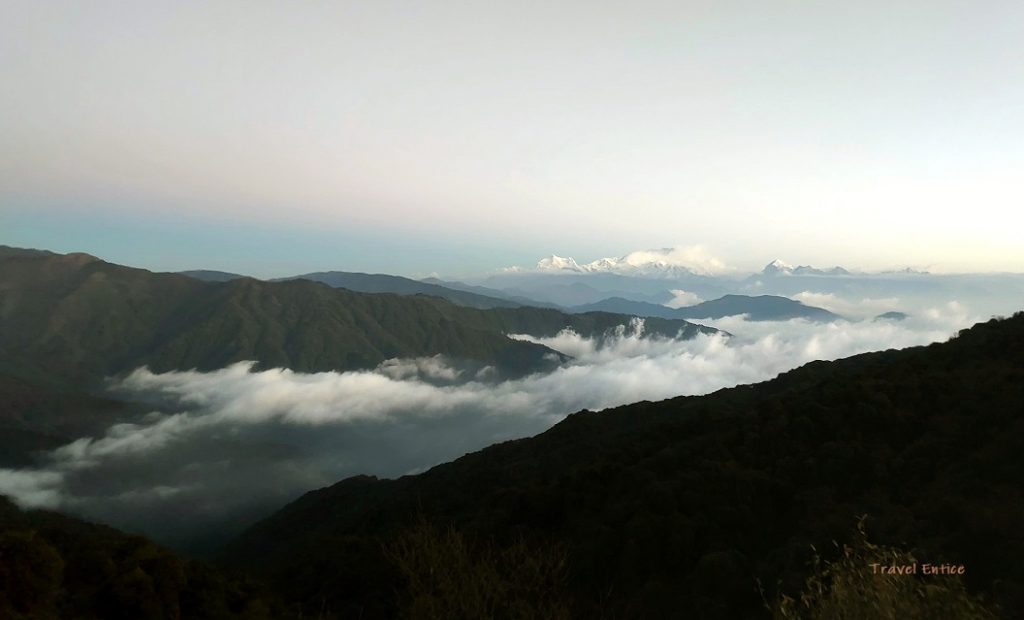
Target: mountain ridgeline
(77, 317)
(685, 506)
(755, 308)
(383, 283)
(211, 275)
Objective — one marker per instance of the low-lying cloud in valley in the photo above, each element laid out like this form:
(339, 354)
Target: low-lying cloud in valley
(231, 445)
(865, 308)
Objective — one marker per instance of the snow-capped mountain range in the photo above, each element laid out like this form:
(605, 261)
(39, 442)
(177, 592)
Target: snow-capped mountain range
(780, 268)
(676, 263)
(660, 263)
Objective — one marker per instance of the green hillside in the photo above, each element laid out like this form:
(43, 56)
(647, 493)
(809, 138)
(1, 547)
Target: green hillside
(76, 317)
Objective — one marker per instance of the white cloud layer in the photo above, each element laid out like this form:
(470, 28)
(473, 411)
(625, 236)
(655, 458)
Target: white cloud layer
(865, 308)
(682, 299)
(696, 258)
(238, 441)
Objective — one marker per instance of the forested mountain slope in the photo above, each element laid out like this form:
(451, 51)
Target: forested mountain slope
(679, 508)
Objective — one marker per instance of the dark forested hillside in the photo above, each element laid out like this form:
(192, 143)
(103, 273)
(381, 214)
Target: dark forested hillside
(680, 508)
(52, 566)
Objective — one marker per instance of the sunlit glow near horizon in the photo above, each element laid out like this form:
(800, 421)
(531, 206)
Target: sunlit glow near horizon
(462, 136)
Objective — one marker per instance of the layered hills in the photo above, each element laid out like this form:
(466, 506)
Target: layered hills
(75, 316)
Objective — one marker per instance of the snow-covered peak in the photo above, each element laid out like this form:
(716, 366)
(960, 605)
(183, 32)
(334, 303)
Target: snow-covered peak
(658, 263)
(778, 267)
(558, 263)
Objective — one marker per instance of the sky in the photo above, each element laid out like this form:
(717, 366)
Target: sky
(453, 137)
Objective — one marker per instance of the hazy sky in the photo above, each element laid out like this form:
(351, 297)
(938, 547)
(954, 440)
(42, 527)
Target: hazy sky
(462, 136)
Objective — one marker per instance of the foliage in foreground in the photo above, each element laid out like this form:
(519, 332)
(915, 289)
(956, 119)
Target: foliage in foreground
(448, 577)
(853, 587)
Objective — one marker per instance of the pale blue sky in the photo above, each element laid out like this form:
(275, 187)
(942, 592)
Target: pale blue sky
(464, 136)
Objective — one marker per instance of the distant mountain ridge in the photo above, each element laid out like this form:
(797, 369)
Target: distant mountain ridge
(759, 308)
(383, 283)
(756, 308)
(892, 316)
(455, 292)
(489, 292)
(211, 275)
